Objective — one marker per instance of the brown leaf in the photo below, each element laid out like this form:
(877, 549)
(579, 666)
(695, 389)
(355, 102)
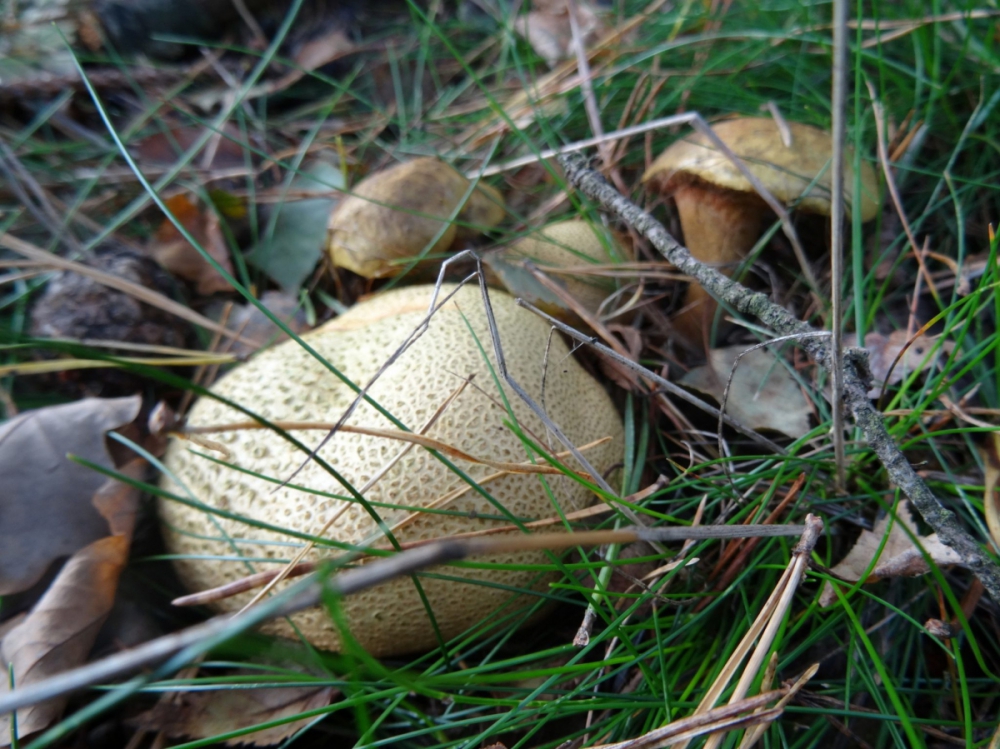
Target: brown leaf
(175, 254)
(899, 557)
(46, 512)
(252, 324)
(118, 502)
(763, 394)
(60, 631)
(317, 52)
(165, 149)
(61, 628)
(547, 28)
(991, 497)
(201, 715)
(883, 350)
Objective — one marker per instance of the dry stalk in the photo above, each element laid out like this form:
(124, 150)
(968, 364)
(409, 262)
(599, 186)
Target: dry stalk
(765, 626)
(838, 105)
(181, 648)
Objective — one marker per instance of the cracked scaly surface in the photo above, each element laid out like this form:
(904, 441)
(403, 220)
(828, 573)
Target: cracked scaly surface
(287, 383)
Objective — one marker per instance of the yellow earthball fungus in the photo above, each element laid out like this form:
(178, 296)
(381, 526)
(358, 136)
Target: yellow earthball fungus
(565, 244)
(286, 383)
(720, 213)
(394, 214)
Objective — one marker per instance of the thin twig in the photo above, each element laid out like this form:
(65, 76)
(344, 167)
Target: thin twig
(189, 643)
(586, 82)
(228, 590)
(783, 322)
(765, 627)
(838, 104)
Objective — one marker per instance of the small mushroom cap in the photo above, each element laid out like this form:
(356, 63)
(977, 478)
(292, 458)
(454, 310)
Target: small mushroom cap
(394, 214)
(287, 383)
(483, 210)
(788, 172)
(565, 244)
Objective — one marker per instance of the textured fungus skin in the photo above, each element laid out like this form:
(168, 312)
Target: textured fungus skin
(561, 245)
(286, 383)
(394, 214)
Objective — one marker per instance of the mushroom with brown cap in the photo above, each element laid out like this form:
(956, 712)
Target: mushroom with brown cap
(722, 216)
(418, 495)
(395, 214)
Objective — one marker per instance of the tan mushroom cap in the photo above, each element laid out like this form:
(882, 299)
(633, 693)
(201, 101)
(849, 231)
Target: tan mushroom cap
(394, 214)
(787, 172)
(565, 244)
(287, 383)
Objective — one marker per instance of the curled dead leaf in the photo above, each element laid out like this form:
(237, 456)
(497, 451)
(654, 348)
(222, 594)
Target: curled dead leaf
(763, 394)
(60, 630)
(42, 484)
(547, 28)
(883, 351)
(899, 557)
(323, 49)
(178, 256)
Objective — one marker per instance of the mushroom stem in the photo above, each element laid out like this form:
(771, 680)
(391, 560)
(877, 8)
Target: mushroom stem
(720, 227)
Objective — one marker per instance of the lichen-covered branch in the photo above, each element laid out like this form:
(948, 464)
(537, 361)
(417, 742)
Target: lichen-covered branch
(778, 319)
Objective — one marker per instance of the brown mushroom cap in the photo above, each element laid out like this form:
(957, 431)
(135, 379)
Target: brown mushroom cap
(394, 214)
(788, 172)
(565, 244)
(287, 383)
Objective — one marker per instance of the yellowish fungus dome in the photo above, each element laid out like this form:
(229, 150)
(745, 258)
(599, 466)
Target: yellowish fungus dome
(573, 244)
(286, 383)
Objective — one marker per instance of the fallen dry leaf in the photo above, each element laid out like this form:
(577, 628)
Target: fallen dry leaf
(325, 48)
(166, 148)
(201, 715)
(253, 325)
(60, 630)
(763, 395)
(883, 350)
(547, 28)
(991, 497)
(46, 512)
(899, 557)
(175, 254)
